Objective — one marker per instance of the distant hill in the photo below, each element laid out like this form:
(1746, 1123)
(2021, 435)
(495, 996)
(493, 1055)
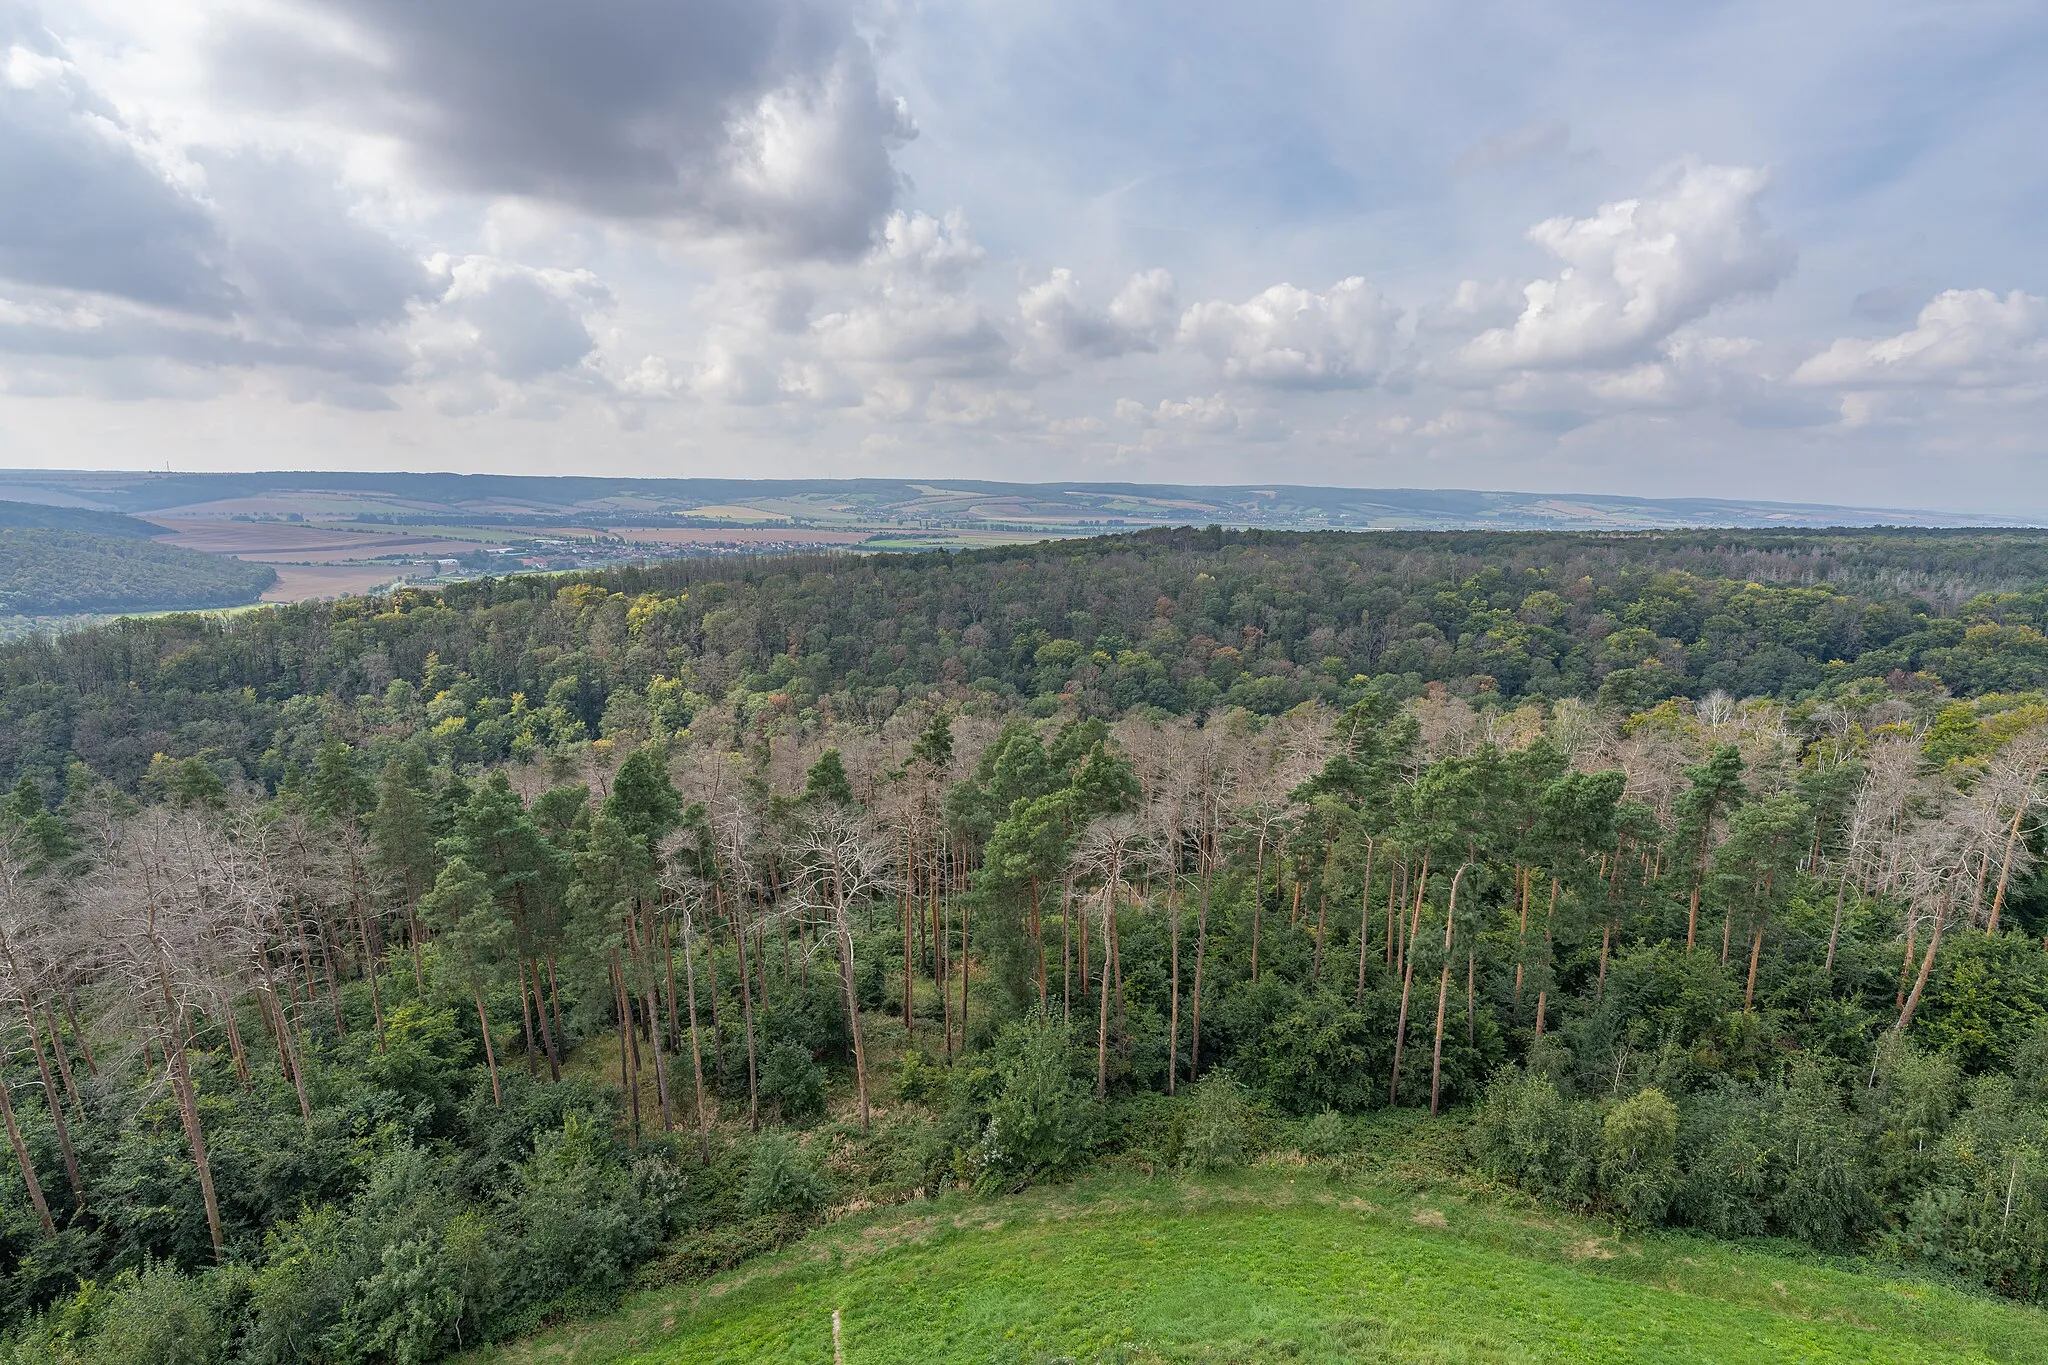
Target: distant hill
(42, 517)
(49, 571)
(1055, 508)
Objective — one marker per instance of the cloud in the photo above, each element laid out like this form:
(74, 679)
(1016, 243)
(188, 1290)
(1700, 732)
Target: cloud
(1211, 416)
(120, 334)
(1059, 320)
(81, 205)
(947, 333)
(910, 304)
(510, 321)
(758, 117)
(740, 379)
(1638, 270)
(126, 253)
(1292, 338)
(298, 252)
(1196, 419)
(1963, 338)
(941, 250)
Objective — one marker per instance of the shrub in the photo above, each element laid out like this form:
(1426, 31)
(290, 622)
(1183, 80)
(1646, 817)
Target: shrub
(1042, 1120)
(582, 1220)
(2030, 1066)
(1217, 1134)
(155, 1314)
(793, 1083)
(309, 1265)
(1725, 1140)
(781, 1179)
(1639, 1155)
(406, 1310)
(1823, 1191)
(1530, 1134)
(916, 1077)
(1326, 1134)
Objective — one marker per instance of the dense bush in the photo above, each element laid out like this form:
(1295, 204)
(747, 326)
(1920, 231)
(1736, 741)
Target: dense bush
(1041, 1120)
(781, 1179)
(1217, 1134)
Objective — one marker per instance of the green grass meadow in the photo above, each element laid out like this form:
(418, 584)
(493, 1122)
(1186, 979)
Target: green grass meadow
(1281, 1263)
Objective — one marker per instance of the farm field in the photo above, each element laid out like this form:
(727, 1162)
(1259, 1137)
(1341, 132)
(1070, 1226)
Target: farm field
(303, 582)
(1280, 1263)
(275, 542)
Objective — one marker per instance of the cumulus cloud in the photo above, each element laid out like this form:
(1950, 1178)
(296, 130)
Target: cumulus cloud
(1293, 338)
(86, 333)
(735, 377)
(948, 334)
(1211, 416)
(941, 250)
(1173, 422)
(1638, 270)
(1059, 319)
(510, 321)
(762, 117)
(1966, 338)
(134, 255)
(910, 305)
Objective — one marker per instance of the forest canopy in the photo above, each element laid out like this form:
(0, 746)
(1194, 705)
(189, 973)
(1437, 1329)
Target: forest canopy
(384, 976)
(54, 571)
(1176, 622)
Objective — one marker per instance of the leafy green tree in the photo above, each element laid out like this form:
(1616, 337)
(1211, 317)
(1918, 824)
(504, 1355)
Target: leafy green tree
(1754, 868)
(643, 799)
(1218, 1131)
(934, 748)
(1042, 1120)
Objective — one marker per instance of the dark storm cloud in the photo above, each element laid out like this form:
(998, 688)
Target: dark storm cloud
(761, 116)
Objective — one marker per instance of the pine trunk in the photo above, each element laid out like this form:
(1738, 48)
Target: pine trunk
(860, 1055)
(483, 1022)
(1201, 955)
(1443, 995)
(1835, 929)
(195, 1136)
(696, 1052)
(1920, 981)
(28, 1165)
(56, 1104)
(1364, 920)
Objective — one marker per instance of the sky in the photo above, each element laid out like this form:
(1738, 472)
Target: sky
(1749, 250)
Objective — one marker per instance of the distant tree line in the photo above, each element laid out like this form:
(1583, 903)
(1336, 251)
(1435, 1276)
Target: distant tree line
(54, 572)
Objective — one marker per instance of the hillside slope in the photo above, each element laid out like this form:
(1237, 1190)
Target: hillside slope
(830, 502)
(53, 572)
(1286, 1262)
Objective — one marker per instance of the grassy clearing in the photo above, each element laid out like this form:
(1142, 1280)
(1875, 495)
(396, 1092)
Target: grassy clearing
(1284, 1262)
